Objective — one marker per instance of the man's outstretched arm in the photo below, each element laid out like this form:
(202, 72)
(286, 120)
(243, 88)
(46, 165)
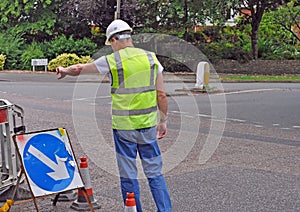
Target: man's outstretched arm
(75, 70)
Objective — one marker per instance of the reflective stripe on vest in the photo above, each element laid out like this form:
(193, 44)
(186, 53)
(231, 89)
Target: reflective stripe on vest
(134, 112)
(133, 88)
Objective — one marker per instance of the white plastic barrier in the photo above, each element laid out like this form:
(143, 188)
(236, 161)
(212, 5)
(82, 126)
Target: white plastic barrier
(203, 74)
(11, 123)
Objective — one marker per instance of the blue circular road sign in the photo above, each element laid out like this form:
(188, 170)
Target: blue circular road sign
(48, 163)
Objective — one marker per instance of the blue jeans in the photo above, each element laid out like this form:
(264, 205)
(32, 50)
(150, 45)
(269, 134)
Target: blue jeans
(143, 141)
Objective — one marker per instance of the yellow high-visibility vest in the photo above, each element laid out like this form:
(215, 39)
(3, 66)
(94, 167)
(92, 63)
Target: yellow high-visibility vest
(133, 88)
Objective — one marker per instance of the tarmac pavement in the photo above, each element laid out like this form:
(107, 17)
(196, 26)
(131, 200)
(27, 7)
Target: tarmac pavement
(252, 169)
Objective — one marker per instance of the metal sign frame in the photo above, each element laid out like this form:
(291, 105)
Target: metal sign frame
(20, 145)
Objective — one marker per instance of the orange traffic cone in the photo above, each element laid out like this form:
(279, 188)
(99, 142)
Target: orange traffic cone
(130, 205)
(81, 204)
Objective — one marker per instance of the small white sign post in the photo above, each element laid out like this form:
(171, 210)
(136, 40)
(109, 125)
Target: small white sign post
(39, 62)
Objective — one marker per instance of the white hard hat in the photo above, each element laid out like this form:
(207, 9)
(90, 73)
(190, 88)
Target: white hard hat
(115, 27)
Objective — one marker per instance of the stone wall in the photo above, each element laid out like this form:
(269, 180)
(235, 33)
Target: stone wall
(265, 67)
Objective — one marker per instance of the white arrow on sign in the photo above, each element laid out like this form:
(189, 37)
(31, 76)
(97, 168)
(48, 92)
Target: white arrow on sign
(59, 168)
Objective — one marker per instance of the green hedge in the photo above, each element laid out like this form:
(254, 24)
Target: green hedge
(19, 53)
(32, 51)
(11, 46)
(69, 45)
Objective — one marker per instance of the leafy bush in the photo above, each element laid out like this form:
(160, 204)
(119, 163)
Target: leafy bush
(11, 46)
(32, 51)
(219, 50)
(275, 42)
(65, 60)
(63, 44)
(2, 61)
(276, 28)
(84, 47)
(270, 50)
(234, 42)
(86, 59)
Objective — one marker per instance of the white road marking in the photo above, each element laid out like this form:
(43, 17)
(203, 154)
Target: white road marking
(204, 115)
(181, 112)
(258, 126)
(237, 120)
(219, 120)
(91, 98)
(249, 91)
(188, 116)
(255, 124)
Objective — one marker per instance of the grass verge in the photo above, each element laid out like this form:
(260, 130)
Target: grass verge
(261, 78)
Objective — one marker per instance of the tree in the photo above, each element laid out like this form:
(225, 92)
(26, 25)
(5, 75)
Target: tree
(29, 18)
(289, 18)
(74, 19)
(257, 9)
(99, 13)
(169, 16)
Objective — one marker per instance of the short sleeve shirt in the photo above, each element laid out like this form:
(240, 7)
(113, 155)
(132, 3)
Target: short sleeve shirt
(103, 67)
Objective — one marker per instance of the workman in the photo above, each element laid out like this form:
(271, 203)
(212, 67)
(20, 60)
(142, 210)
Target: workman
(138, 99)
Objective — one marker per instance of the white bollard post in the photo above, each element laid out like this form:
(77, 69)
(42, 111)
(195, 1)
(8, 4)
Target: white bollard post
(203, 73)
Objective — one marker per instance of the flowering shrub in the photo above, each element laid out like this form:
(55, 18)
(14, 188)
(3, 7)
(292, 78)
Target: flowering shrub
(2, 61)
(65, 60)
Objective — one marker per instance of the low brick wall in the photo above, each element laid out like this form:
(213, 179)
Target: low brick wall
(264, 67)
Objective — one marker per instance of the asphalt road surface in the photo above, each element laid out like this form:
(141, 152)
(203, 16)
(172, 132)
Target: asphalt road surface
(236, 149)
